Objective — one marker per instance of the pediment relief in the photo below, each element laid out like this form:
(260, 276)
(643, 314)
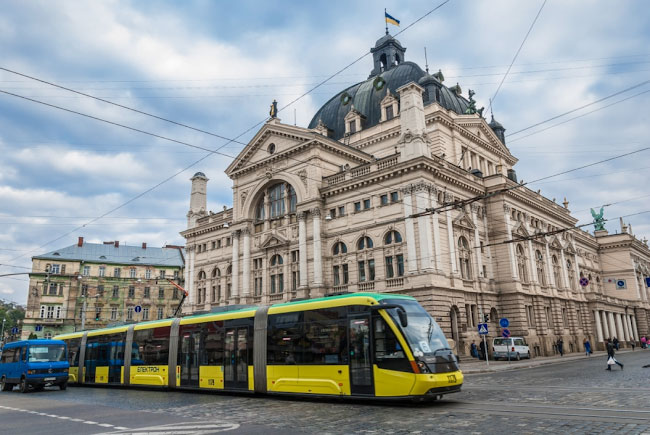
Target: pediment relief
(275, 239)
(520, 230)
(464, 221)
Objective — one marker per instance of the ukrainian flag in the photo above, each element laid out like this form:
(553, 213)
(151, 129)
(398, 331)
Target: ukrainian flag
(391, 20)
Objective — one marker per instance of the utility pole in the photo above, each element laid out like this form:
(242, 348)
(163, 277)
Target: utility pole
(2, 335)
(83, 315)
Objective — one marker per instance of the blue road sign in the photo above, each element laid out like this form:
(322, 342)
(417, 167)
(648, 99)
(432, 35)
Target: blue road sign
(504, 322)
(505, 332)
(137, 308)
(584, 282)
(482, 328)
(38, 328)
(647, 281)
(14, 330)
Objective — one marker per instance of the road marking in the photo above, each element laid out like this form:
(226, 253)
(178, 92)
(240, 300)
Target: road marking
(63, 417)
(189, 427)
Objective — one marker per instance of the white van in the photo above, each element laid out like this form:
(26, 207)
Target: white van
(515, 346)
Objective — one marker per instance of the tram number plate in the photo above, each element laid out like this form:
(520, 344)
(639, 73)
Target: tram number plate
(451, 379)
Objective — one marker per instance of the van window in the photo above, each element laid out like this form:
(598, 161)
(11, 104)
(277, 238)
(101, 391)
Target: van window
(520, 342)
(502, 342)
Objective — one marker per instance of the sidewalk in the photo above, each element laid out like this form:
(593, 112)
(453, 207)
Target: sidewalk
(469, 365)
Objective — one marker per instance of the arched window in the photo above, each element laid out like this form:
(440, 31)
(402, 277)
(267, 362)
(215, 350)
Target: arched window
(276, 260)
(276, 199)
(397, 59)
(229, 270)
(276, 274)
(364, 242)
(556, 271)
(259, 211)
(521, 263)
(464, 257)
(280, 197)
(216, 272)
(392, 237)
(201, 275)
(541, 275)
(382, 62)
(339, 248)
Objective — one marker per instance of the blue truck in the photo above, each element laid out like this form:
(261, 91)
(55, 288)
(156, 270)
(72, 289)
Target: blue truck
(34, 364)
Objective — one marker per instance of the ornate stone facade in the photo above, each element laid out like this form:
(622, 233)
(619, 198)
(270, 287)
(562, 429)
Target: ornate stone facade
(315, 214)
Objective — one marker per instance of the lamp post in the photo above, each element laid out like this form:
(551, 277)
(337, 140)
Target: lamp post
(2, 335)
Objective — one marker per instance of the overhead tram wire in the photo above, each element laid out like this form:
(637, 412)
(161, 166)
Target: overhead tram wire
(516, 54)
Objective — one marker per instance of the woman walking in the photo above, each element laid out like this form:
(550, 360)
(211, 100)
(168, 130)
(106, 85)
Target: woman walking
(587, 345)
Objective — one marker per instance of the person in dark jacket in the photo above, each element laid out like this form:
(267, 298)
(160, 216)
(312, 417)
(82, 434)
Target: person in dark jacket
(482, 352)
(560, 346)
(616, 343)
(611, 350)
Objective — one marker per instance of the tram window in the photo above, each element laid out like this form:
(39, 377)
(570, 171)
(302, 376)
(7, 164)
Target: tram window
(327, 314)
(284, 336)
(325, 342)
(352, 309)
(212, 346)
(388, 352)
(153, 345)
(73, 351)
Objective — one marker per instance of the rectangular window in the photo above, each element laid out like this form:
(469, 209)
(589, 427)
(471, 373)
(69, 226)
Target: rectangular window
(147, 274)
(333, 213)
(55, 269)
(366, 204)
(352, 126)
(131, 292)
(400, 265)
(175, 293)
(219, 243)
(337, 278)
(43, 307)
(50, 312)
(389, 112)
(390, 273)
(63, 268)
(176, 274)
(549, 319)
(145, 313)
(342, 210)
(214, 244)
(116, 291)
(98, 313)
(84, 290)
(160, 313)
(394, 197)
(383, 199)
(565, 322)
(482, 247)
(53, 289)
(161, 293)
(100, 290)
(362, 271)
(258, 286)
(295, 256)
(227, 241)
(113, 313)
(357, 207)
(86, 271)
(132, 273)
(371, 270)
(147, 292)
(162, 274)
(294, 280)
(102, 270)
(345, 274)
(117, 272)
(129, 313)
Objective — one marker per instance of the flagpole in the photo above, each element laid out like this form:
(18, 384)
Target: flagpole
(385, 20)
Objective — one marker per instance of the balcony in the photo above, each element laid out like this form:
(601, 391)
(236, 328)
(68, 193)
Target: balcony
(276, 297)
(366, 286)
(362, 170)
(394, 282)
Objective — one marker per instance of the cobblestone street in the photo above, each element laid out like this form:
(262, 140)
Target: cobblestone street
(573, 396)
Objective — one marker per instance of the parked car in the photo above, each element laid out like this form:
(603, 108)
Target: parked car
(34, 364)
(513, 347)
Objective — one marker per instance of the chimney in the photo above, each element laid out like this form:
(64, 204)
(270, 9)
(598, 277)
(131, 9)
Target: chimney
(80, 243)
(144, 245)
(117, 243)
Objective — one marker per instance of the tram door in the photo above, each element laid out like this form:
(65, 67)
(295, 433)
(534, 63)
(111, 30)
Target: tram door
(236, 358)
(189, 358)
(361, 379)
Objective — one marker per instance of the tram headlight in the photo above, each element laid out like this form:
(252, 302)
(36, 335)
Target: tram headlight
(423, 367)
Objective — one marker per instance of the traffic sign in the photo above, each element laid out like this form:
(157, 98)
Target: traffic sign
(505, 332)
(14, 330)
(620, 284)
(504, 322)
(584, 282)
(137, 308)
(482, 329)
(38, 328)
(647, 281)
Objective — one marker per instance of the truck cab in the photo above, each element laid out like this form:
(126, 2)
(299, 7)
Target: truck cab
(34, 364)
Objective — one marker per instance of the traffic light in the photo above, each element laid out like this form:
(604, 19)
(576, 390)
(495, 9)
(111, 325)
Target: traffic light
(486, 318)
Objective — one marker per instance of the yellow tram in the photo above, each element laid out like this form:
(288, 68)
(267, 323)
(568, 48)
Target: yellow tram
(352, 345)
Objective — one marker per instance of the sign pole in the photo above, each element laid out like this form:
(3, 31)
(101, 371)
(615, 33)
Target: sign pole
(487, 352)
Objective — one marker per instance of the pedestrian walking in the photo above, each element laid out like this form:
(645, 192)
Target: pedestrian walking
(616, 343)
(644, 343)
(473, 350)
(611, 360)
(560, 346)
(632, 344)
(587, 345)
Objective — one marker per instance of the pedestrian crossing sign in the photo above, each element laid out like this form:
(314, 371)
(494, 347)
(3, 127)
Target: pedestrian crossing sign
(482, 328)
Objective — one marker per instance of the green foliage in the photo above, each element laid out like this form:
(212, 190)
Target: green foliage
(32, 336)
(13, 314)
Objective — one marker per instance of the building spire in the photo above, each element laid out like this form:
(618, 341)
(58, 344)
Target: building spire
(385, 20)
(426, 61)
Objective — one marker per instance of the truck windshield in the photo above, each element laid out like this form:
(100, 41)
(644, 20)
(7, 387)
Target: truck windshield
(423, 333)
(47, 353)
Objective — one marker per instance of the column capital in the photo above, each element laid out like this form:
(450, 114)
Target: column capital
(506, 208)
(316, 212)
(245, 232)
(406, 190)
(475, 208)
(235, 234)
(448, 197)
(302, 215)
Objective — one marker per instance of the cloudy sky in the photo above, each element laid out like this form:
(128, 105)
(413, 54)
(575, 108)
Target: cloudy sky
(216, 66)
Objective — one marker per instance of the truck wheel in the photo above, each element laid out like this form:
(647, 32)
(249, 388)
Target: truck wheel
(5, 386)
(24, 387)
(63, 386)
(518, 358)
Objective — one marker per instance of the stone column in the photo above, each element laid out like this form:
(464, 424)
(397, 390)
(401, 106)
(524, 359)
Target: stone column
(477, 241)
(287, 275)
(605, 325)
(599, 329)
(412, 261)
(634, 328)
(565, 273)
(246, 267)
(626, 327)
(511, 248)
(421, 193)
(619, 327)
(612, 325)
(302, 246)
(436, 229)
(234, 294)
(318, 252)
(450, 236)
(636, 282)
(533, 262)
(549, 266)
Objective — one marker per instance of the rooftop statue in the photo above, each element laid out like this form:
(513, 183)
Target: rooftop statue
(471, 109)
(599, 221)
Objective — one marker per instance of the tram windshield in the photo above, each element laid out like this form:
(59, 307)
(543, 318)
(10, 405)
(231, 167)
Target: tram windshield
(423, 333)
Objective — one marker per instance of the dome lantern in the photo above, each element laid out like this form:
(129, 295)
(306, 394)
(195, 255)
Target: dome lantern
(387, 53)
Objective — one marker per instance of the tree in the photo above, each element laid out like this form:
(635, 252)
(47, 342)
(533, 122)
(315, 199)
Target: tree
(32, 336)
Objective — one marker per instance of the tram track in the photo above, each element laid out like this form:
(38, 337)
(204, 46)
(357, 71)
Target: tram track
(608, 389)
(548, 411)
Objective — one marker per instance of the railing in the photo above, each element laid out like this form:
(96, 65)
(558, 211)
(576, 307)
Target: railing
(257, 299)
(366, 286)
(394, 282)
(276, 297)
(363, 170)
(340, 288)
